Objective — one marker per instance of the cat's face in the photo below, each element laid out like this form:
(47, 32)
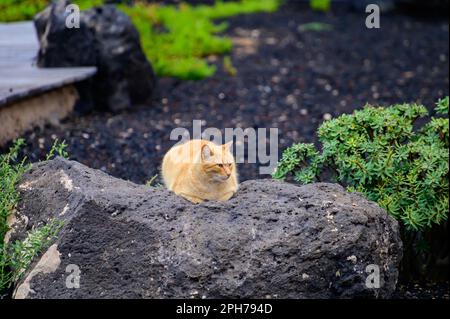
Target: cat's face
(217, 161)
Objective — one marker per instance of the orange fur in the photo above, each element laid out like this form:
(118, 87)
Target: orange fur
(200, 170)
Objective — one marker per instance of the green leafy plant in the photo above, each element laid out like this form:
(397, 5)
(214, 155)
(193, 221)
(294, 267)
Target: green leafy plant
(16, 257)
(10, 172)
(442, 106)
(320, 5)
(378, 152)
(58, 149)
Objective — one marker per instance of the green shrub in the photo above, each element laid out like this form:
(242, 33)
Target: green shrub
(174, 38)
(16, 257)
(378, 152)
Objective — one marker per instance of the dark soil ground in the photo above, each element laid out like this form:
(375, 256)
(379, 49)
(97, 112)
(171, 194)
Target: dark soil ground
(422, 290)
(287, 78)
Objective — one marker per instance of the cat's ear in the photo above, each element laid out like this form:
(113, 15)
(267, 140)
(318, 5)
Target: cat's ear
(227, 146)
(206, 152)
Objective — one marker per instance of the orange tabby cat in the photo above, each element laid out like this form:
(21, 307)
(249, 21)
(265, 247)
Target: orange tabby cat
(200, 170)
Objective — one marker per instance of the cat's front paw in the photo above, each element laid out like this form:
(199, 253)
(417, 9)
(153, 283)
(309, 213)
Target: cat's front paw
(192, 199)
(227, 196)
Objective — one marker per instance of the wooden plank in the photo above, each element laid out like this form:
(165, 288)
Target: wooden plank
(19, 76)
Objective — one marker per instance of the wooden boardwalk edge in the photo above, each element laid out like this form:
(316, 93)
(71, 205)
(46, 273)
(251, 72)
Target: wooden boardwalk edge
(20, 78)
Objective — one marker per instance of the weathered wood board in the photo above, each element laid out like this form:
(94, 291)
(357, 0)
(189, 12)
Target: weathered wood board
(19, 76)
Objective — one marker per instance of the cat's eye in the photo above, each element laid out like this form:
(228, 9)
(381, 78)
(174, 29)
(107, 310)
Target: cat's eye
(220, 165)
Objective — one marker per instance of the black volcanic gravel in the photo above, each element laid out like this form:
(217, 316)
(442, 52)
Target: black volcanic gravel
(421, 290)
(286, 78)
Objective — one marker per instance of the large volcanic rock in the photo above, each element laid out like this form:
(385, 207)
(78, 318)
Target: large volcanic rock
(272, 240)
(106, 38)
